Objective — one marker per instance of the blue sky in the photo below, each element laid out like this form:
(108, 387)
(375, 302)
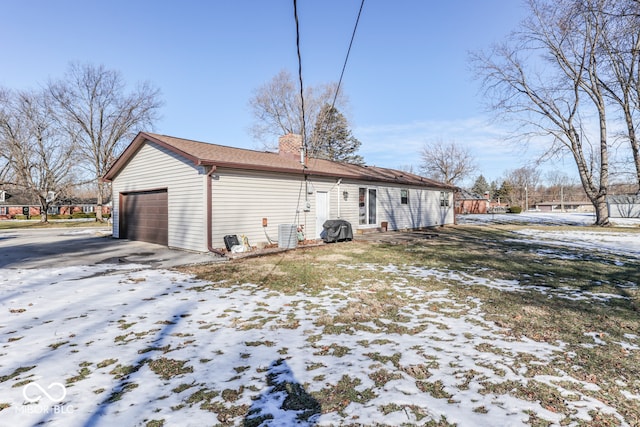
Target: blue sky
(408, 78)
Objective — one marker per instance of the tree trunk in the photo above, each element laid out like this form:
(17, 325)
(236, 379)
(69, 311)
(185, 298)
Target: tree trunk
(99, 202)
(44, 211)
(602, 211)
(635, 146)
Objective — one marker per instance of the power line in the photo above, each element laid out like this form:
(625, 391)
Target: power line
(344, 66)
(304, 126)
(325, 122)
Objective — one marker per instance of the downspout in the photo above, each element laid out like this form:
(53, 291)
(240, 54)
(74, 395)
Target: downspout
(210, 213)
(339, 196)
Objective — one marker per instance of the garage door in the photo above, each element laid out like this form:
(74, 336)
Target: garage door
(144, 216)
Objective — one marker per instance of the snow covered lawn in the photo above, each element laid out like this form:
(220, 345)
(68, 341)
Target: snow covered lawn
(346, 334)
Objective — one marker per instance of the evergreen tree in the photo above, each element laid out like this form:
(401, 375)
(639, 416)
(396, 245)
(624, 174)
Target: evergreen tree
(493, 189)
(480, 186)
(505, 192)
(332, 139)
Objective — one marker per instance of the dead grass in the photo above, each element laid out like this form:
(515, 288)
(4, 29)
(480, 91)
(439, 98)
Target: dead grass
(490, 253)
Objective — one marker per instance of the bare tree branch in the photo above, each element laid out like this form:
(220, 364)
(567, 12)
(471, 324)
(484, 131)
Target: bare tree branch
(101, 116)
(277, 109)
(447, 162)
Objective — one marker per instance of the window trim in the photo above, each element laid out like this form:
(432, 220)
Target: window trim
(404, 196)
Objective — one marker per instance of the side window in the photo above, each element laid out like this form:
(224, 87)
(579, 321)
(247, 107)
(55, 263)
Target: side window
(444, 198)
(404, 197)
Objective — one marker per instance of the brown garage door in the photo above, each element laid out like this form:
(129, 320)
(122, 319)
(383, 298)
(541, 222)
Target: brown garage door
(144, 216)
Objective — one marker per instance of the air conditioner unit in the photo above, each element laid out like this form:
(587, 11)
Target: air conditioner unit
(287, 236)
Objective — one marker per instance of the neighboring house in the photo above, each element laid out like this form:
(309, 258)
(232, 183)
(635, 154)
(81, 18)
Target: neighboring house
(13, 202)
(190, 195)
(624, 206)
(566, 206)
(74, 205)
(471, 203)
(18, 204)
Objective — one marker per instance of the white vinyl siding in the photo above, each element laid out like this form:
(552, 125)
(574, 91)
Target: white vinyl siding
(154, 167)
(422, 210)
(241, 199)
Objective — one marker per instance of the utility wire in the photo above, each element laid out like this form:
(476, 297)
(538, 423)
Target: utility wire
(325, 122)
(295, 14)
(344, 66)
(335, 96)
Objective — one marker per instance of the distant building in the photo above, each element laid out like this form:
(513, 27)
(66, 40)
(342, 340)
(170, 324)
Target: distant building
(624, 206)
(16, 204)
(471, 203)
(567, 206)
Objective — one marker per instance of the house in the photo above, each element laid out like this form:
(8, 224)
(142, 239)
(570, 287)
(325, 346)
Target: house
(78, 205)
(15, 203)
(624, 206)
(471, 203)
(19, 204)
(190, 195)
(565, 206)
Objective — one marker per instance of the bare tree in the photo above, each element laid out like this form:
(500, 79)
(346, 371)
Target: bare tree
(102, 116)
(5, 152)
(447, 162)
(277, 109)
(40, 155)
(524, 183)
(620, 54)
(548, 77)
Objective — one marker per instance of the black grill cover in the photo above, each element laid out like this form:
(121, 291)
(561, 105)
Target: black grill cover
(336, 230)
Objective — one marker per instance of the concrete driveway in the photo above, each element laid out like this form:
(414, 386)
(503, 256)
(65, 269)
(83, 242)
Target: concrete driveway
(62, 247)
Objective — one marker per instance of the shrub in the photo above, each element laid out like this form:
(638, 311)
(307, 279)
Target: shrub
(59, 216)
(83, 215)
(515, 209)
(20, 216)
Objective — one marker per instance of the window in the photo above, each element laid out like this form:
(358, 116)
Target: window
(2, 196)
(444, 198)
(88, 208)
(404, 197)
(367, 206)
(53, 210)
(4, 210)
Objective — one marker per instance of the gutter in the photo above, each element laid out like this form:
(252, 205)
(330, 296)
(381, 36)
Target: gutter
(210, 212)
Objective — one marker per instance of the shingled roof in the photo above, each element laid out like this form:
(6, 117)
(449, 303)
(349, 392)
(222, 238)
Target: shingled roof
(202, 153)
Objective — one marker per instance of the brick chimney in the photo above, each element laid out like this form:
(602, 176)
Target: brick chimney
(289, 146)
